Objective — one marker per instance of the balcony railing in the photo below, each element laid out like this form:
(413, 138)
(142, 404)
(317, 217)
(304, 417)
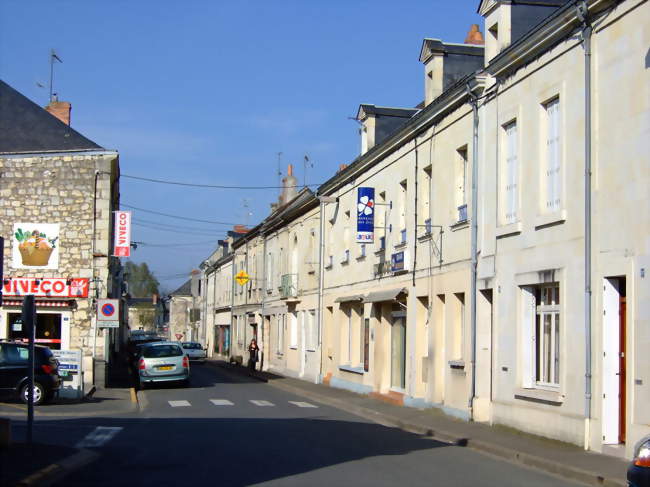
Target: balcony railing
(289, 286)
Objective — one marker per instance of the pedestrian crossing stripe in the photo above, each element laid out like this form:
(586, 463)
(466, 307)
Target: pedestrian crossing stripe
(179, 404)
(222, 402)
(303, 404)
(98, 437)
(259, 402)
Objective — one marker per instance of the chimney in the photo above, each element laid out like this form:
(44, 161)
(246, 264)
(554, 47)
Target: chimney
(60, 109)
(240, 229)
(289, 183)
(474, 36)
(342, 167)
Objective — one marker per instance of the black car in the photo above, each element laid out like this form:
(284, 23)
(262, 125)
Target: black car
(14, 367)
(638, 474)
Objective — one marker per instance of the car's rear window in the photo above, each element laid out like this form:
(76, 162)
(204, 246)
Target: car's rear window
(192, 346)
(159, 351)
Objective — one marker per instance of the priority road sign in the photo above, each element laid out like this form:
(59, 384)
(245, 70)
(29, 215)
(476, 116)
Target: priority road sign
(242, 278)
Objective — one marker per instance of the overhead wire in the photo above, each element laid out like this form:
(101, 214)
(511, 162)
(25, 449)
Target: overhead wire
(212, 186)
(179, 217)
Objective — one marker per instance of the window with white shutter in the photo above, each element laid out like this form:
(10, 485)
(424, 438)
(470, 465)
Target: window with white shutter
(553, 156)
(511, 176)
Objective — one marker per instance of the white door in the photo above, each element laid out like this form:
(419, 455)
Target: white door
(302, 349)
(611, 350)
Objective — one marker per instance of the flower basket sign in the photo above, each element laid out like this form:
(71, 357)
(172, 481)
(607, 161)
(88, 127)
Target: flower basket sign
(35, 246)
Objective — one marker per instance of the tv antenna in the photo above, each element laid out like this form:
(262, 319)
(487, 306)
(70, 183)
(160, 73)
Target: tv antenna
(53, 57)
(305, 164)
(247, 212)
(279, 169)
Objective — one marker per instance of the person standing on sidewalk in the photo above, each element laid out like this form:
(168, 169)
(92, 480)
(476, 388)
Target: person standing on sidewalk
(253, 351)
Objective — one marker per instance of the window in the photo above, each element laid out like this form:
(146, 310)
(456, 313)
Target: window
(541, 335)
(311, 330)
(510, 176)
(553, 156)
(280, 321)
(349, 351)
(293, 330)
(269, 273)
(402, 203)
(461, 183)
(362, 250)
(425, 193)
(459, 326)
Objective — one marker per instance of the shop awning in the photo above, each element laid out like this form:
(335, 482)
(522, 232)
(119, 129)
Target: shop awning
(40, 303)
(349, 299)
(379, 296)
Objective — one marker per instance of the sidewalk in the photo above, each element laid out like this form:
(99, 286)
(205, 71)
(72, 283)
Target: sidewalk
(563, 459)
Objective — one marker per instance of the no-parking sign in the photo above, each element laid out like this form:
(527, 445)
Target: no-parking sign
(108, 310)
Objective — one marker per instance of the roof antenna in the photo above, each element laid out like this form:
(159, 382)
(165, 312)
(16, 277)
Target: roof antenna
(306, 163)
(53, 57)
(279, 169)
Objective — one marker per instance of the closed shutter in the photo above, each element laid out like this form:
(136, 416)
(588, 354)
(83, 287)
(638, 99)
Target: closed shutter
(512, 174)
(553, 181)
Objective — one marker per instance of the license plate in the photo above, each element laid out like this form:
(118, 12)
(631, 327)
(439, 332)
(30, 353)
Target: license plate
(165, 367)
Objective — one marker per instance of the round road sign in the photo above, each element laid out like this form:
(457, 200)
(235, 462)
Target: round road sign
(108, 309)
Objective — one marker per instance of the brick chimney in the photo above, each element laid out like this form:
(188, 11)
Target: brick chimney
(474, 36)
(60, 109)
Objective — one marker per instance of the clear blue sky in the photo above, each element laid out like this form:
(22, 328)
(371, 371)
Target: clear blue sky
(211, 91)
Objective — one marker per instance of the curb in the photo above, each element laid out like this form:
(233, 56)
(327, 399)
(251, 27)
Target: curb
(134, 395)
(514, 456)
(236, 369)
(56, 471)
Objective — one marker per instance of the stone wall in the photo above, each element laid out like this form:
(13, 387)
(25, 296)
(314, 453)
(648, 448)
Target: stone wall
(61, 189)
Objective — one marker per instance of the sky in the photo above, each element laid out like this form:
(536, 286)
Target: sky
(210, 92)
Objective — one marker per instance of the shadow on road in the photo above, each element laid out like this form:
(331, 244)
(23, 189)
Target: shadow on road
(234, 451)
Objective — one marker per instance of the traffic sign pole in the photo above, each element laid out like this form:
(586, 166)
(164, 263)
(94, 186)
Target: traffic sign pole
(29, 320)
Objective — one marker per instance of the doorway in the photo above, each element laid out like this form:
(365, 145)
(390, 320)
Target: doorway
(614, 360)
(398, 351)
(48, 329)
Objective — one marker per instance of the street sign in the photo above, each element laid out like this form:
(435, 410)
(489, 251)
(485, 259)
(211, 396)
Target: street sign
(242, 278)
(108, 324)
(108, 310)
(179, 336)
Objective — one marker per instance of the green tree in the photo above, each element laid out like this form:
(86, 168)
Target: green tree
(142, 282)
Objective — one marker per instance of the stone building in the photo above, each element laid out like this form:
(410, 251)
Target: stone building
(180, 305)
(58, 190)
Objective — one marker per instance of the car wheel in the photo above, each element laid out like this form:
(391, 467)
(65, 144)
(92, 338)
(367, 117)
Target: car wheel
(40, 394)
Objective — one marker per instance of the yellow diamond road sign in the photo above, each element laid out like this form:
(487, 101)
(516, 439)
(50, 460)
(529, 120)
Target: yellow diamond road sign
(242, 278)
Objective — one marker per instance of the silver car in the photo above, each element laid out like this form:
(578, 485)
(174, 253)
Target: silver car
(163, 362)
(194, 351)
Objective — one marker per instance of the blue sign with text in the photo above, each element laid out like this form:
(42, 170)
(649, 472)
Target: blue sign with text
(365, 215)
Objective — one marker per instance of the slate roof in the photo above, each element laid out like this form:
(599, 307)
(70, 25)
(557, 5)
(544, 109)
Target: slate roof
(26, 127)
(184, 290)
(370, 109)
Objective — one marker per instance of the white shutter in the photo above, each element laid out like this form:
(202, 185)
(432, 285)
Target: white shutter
(527, 337)
(512, 176)
(553, 186)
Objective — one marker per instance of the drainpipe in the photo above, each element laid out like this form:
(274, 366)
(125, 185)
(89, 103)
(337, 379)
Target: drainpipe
(473, 251)
(582, 14)
(92, 270)
(264, 278)
(323, 200)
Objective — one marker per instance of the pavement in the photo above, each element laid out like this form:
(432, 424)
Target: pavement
(43, 463)
(562, 459)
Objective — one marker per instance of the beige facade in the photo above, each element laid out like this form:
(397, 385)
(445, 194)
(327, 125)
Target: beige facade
(488, 291)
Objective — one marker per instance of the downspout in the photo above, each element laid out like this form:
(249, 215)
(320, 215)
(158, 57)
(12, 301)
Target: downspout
(582, 14)
(415, 226)
(92, 270)
(473, 250)
(232, 301)
(264, 278)
(321, 282)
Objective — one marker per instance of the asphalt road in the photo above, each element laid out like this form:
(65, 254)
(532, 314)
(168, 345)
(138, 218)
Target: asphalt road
(228, 430)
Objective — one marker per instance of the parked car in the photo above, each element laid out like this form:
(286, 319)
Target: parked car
(195, 351)
(135, 345)
(163, 362)
(14, 369)
(638, 473)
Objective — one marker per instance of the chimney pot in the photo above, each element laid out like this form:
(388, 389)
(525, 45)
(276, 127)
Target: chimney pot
(290, 170)
(474, 36)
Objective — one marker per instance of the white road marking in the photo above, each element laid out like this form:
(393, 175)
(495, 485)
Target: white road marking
(179, 404)
(221, 402)
(262, 403)
(303, 404)
(99, 437)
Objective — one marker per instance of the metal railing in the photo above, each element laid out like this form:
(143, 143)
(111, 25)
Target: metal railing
(289, 286)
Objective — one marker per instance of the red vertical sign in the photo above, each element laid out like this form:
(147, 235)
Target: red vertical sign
(122, 243)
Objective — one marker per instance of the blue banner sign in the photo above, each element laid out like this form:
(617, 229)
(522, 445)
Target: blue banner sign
(397, 262)
(365, 215)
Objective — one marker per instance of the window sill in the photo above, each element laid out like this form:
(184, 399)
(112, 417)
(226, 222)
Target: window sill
(539, 395)
(360, 257)
(293, 347)
(550, 219)
(457, 364)
(401, 245)
(459, 225)
(425, 237)
(354, 370)
(312, 272)
(380, 252)
(508, 230)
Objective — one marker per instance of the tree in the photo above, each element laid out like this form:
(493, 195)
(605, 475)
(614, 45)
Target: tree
(142, 283)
